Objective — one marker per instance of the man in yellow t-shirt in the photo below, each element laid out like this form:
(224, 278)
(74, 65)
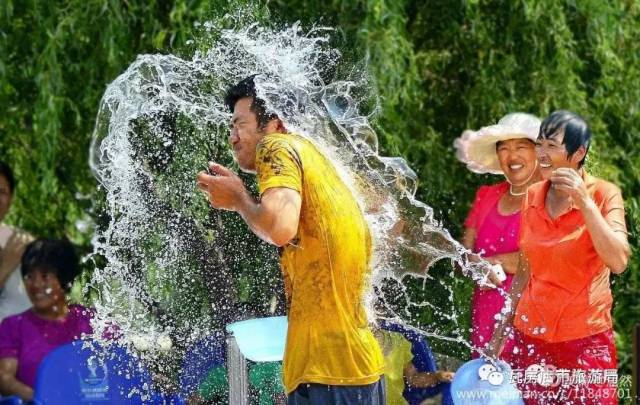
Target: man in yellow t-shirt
(305, 208)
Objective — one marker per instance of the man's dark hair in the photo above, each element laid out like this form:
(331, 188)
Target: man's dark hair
(5, 170)
(576, 131)
(247, 88)
(52, 255)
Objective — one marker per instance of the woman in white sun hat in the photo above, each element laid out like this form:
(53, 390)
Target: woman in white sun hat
(493, 224)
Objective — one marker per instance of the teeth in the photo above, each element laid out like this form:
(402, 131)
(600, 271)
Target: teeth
(516, 167)
(545, 165)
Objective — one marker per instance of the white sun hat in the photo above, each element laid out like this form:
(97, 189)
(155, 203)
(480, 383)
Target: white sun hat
(477, 149)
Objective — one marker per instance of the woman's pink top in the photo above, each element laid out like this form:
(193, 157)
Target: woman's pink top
(29, 338)
(495, 234)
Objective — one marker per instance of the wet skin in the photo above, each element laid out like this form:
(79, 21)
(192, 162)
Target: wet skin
(245, 134)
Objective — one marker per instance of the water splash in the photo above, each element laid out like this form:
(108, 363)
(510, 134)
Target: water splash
(173, 267)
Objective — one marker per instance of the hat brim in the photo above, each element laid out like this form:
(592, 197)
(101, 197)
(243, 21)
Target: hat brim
(477, 149)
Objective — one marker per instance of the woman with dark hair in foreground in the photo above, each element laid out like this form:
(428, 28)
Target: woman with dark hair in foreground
(573, 236)
(48, 269)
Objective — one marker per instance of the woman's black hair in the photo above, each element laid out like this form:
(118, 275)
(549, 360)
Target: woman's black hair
(501, 142)
(5, 170)
(576, 131)
(247, 88)
(57, 256)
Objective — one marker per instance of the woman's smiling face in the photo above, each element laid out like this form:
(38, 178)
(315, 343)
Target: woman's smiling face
(552, 154)
(517, 159)
(43, 288)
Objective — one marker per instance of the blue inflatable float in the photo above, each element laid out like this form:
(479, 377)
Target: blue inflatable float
(480, 382)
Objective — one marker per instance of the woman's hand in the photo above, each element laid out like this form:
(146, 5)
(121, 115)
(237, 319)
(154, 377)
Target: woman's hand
(508, 261)
(445, 376)
(13, 250)
(11, 254)
(570, 181)
(490, 281)
(9, 384)
(417, 379)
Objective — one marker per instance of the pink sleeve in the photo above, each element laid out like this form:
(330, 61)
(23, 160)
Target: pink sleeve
(9, 343)
(476, 208)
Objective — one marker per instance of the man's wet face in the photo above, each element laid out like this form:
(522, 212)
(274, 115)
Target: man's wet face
(245, 134)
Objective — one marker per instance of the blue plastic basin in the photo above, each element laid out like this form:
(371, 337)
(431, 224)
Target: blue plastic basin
(261, 339)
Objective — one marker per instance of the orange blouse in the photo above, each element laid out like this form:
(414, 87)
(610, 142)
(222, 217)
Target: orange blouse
(568, 295)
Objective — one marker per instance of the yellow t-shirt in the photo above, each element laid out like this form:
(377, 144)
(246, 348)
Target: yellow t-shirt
(397, 354)
(325, 269)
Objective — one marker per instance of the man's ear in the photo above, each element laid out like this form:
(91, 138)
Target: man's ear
(275, 125)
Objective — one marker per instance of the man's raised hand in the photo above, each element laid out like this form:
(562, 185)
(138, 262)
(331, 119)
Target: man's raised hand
(224, 187)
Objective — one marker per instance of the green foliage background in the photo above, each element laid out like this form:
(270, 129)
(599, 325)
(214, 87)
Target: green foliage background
(438, 67)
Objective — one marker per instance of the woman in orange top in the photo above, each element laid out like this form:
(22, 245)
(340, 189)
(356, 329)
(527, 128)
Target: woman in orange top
(573, 235)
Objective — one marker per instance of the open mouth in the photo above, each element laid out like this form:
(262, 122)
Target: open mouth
(545, 165)
(42, 294)
(40, 298)
(516, 167)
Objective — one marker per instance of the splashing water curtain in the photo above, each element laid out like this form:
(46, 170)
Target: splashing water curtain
(167, 271)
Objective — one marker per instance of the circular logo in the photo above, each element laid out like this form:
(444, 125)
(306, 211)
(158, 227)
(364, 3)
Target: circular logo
(485, 370)
(496, 378)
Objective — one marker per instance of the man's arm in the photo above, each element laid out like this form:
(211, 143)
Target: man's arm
(274, 218)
